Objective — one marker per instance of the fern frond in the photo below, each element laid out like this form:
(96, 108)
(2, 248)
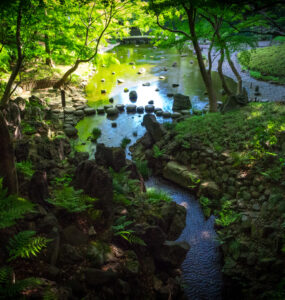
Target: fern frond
(12, 207)
(25, 244)
(5, 274)
(133, 239)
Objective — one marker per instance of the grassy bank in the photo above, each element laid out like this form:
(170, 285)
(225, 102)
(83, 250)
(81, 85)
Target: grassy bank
(265, 63)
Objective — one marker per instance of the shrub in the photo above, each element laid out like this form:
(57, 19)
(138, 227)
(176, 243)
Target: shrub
(96, 133)
(143, 168)
(154, 196)
(26, 168)
(124, 143)
(157, 152)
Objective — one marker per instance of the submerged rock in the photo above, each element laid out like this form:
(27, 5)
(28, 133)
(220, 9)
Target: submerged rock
(133, 95)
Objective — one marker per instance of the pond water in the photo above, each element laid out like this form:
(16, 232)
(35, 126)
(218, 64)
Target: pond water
(155, 61)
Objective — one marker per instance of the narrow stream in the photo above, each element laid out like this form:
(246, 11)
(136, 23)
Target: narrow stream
(201, 268)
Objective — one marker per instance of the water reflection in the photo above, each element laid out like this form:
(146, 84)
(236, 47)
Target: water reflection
(156, 62)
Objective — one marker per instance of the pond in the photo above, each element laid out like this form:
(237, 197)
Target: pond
(156, 62)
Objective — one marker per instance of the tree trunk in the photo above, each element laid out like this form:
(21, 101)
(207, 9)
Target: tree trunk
(7, 161)
(220, 71)
(7, 93)
(63, 79)
(206, 77)
(48, 52)
(235, 71)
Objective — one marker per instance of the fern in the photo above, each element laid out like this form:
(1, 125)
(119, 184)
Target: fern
(157, 152)
(122, 184)
(72, 200)
(5, 274)
(26, 168)
(49, 294)
(12, 207)
(13, 290)
(25, 244)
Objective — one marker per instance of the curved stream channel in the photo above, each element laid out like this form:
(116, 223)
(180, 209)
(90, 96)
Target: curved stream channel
(201, 268)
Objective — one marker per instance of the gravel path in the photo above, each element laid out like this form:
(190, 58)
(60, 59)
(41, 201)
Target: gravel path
(269, 91)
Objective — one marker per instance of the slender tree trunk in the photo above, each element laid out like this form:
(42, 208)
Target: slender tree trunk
(220, 71)
(235, 71)
(206, 77)
(7, 161)
(17, 67)
(63, 79)
(48, 52)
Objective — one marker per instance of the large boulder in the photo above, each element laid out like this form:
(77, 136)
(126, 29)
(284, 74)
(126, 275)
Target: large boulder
(155, 129)
(181, 175)
(96, 182)
(209, 189)
(172, 253)
(113, 157)
(181, 102)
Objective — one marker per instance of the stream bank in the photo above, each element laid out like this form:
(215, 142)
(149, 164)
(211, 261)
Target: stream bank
(239, 177)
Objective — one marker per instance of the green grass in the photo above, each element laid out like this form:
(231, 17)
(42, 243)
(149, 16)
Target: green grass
(266, 63)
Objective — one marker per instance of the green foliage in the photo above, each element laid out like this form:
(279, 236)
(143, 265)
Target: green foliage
(26, 168)
(143, 168)
(205, 203)
(121, 228)
(12, 207)
(124, 143)
(157, 152)
(155, 196)
(64, 180)
(25, 244)
(96, 133)
(266, 63)
(168, 125)
(122, 184)
(72, 200)
(226, 215)
(27, 128)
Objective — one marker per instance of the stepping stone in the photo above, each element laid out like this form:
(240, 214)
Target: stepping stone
(102, 80)
(157, 90)
(150, 102)
(71, 131)
(103, 91)
(111, 100)
(112, 111)
(133, 95)
(69, 110)
(114, 124)
(159, 113)
(170, 95)
(108, 106)
(185, 112)
(140, 109)
(176, 115)
(132, 63)
(131, 108)
(161, 77)
(80, 107)
(120, 80)
(79, 113)
(175, 85)
(113, 73)
(149, 108)
(166, 114)
(146, 84)
(89, 111)
(100, 110)
(120, 107)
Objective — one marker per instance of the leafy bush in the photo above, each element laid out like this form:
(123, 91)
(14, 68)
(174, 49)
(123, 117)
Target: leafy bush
(226, 215)
(72, 200)
(25, 244)
(124, 143)
(12, 207)
(205, 203)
